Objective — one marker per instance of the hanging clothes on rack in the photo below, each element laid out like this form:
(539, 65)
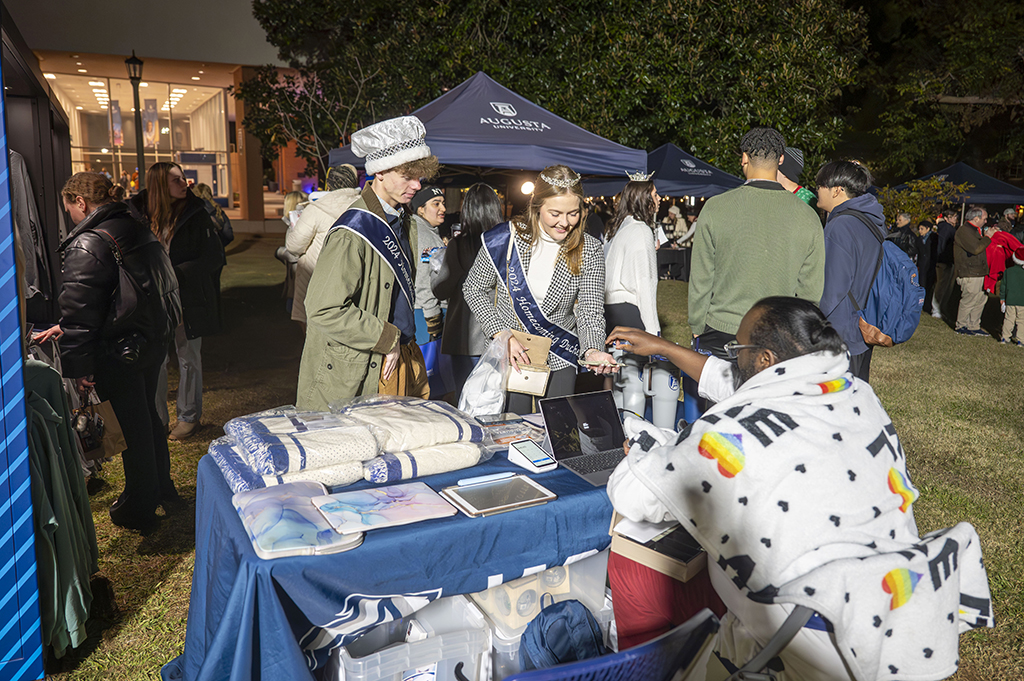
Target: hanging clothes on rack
(28, 231)
(66, 551)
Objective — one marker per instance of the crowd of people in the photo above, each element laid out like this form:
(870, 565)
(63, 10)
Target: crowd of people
(139, 276)
(982, 256)
(774, 307)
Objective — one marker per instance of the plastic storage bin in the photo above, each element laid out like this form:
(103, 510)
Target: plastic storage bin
(456, 633)
(511, 606)
(505, 652)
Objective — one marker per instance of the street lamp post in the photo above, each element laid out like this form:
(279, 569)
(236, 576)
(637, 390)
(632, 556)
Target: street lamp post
(134, 66)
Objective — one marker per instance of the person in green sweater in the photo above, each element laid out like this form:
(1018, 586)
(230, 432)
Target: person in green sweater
(754, 241)
(789, 176)
(1011, 293)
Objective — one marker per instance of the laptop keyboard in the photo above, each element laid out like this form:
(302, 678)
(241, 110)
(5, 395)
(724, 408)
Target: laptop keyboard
(592, 463)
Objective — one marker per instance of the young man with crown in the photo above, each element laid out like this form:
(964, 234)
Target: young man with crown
(360, 338)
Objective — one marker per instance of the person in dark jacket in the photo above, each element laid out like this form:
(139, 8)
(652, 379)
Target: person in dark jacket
(926, 253)
(945, 230)
(179, 220)
(119, 351)
(904, 236)
(851, 252)
(463, 339)
(970, 267)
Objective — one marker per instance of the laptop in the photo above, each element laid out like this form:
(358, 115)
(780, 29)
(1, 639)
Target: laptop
(585, 434)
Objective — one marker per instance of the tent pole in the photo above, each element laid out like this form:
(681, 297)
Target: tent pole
(963, 209)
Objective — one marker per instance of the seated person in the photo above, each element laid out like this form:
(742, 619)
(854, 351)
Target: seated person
(796, 465)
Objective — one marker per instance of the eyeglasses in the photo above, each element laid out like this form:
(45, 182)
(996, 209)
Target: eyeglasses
(732, 349)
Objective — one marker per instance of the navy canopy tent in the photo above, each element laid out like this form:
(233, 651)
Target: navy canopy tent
(676, 173)
(986, 189)
(484, 124)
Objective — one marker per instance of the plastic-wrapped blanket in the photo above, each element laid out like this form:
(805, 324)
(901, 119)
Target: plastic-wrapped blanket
(391, 467)
(285, 441)
(242, 478)
(405, 424)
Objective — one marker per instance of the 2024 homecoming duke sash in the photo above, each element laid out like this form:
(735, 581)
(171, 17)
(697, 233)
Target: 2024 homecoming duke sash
(504, 256)
(382, 239)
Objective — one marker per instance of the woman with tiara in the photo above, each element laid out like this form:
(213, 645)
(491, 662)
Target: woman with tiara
(542, 274)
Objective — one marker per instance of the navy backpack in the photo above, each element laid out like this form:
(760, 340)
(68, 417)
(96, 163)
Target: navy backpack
(892, 311)
(561, 632)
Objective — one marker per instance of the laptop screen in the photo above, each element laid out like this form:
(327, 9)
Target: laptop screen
(582, 424)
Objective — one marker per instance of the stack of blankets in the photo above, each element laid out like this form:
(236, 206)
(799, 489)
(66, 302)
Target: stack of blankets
(379, 439)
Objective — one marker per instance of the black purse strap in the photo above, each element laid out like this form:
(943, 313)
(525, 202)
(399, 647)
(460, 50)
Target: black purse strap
(881, 251)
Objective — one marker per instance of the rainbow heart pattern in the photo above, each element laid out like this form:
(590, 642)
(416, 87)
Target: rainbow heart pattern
(899, 485)
(900, 583)
(835, 386)
(726, 449)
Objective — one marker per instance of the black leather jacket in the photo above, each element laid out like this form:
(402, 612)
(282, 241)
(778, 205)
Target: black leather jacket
(91, 277)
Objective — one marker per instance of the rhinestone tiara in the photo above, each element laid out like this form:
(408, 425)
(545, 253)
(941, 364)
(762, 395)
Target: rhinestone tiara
(564, 184)
(639, 176)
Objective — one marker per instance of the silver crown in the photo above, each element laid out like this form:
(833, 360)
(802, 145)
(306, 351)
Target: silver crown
(639, 176)
(564, 184)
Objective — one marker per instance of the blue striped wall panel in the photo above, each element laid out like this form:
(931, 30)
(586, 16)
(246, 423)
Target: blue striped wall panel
(21, 650)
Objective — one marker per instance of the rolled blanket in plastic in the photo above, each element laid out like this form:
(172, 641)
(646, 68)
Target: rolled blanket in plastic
(276, 443)
(392, 467)
(406, 423)
(242, 478)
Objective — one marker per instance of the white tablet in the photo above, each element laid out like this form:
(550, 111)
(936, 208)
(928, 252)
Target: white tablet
(499, 496)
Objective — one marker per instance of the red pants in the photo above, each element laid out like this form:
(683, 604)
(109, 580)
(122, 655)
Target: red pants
(649, 603)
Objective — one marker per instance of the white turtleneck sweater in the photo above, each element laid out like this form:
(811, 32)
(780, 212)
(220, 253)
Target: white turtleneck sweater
(542, 265)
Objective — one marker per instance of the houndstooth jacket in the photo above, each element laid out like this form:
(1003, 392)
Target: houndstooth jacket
(574, 302)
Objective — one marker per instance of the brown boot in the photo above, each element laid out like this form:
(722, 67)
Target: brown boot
(183, 430)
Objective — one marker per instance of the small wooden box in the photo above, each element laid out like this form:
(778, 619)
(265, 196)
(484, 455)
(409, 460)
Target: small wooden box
(663, 563)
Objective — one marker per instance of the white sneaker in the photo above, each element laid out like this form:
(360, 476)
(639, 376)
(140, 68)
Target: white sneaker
(937, 315)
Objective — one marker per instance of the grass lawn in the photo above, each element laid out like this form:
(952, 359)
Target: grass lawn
(957, 402)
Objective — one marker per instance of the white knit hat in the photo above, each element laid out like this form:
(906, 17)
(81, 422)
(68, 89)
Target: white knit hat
(391, 143)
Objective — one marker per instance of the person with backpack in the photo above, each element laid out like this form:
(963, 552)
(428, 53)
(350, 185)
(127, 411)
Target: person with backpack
(119, 351)
(851, 252)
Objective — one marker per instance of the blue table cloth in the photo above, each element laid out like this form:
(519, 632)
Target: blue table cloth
(252, 619)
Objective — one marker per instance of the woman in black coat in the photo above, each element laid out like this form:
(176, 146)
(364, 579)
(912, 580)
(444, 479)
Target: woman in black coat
(463, 339)
(179, 220)
(119, 351)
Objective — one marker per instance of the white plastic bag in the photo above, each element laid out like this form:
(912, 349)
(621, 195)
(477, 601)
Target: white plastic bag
(484, 390)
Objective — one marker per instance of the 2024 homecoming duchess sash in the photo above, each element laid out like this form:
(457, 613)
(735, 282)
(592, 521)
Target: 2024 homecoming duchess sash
(509, 268)
(382, 239)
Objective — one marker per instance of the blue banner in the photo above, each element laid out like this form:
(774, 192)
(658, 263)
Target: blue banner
(150, 125)
(509, 268)
(115, 123)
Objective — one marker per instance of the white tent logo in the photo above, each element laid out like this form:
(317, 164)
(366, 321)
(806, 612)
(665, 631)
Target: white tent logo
(503, 109)
(688, 163)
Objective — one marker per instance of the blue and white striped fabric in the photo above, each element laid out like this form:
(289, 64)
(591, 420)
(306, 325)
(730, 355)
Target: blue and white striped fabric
(406, 423)
(242, 478)
(392, 467)
(285, 441)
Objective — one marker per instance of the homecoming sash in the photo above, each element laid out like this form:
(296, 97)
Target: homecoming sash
(383, 240)
(509, 269)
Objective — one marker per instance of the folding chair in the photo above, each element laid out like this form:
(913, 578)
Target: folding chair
(657, 660)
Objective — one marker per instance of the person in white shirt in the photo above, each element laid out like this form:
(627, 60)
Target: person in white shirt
(631, 282)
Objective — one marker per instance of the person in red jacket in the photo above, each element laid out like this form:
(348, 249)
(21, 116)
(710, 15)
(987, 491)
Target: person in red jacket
(998, 253)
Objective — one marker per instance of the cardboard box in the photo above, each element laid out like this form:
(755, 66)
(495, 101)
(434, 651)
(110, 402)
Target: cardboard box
(663, 563)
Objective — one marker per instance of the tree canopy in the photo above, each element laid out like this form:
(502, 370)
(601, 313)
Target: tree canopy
(952, 76)
(693, 72)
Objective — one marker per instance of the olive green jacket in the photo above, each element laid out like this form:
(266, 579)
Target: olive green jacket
(348, 303)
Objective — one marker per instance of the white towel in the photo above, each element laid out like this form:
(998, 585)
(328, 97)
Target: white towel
(282, 441)
(405, 423)
(419, 462)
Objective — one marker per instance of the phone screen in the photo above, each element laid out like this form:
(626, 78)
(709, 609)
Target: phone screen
(533, 452)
